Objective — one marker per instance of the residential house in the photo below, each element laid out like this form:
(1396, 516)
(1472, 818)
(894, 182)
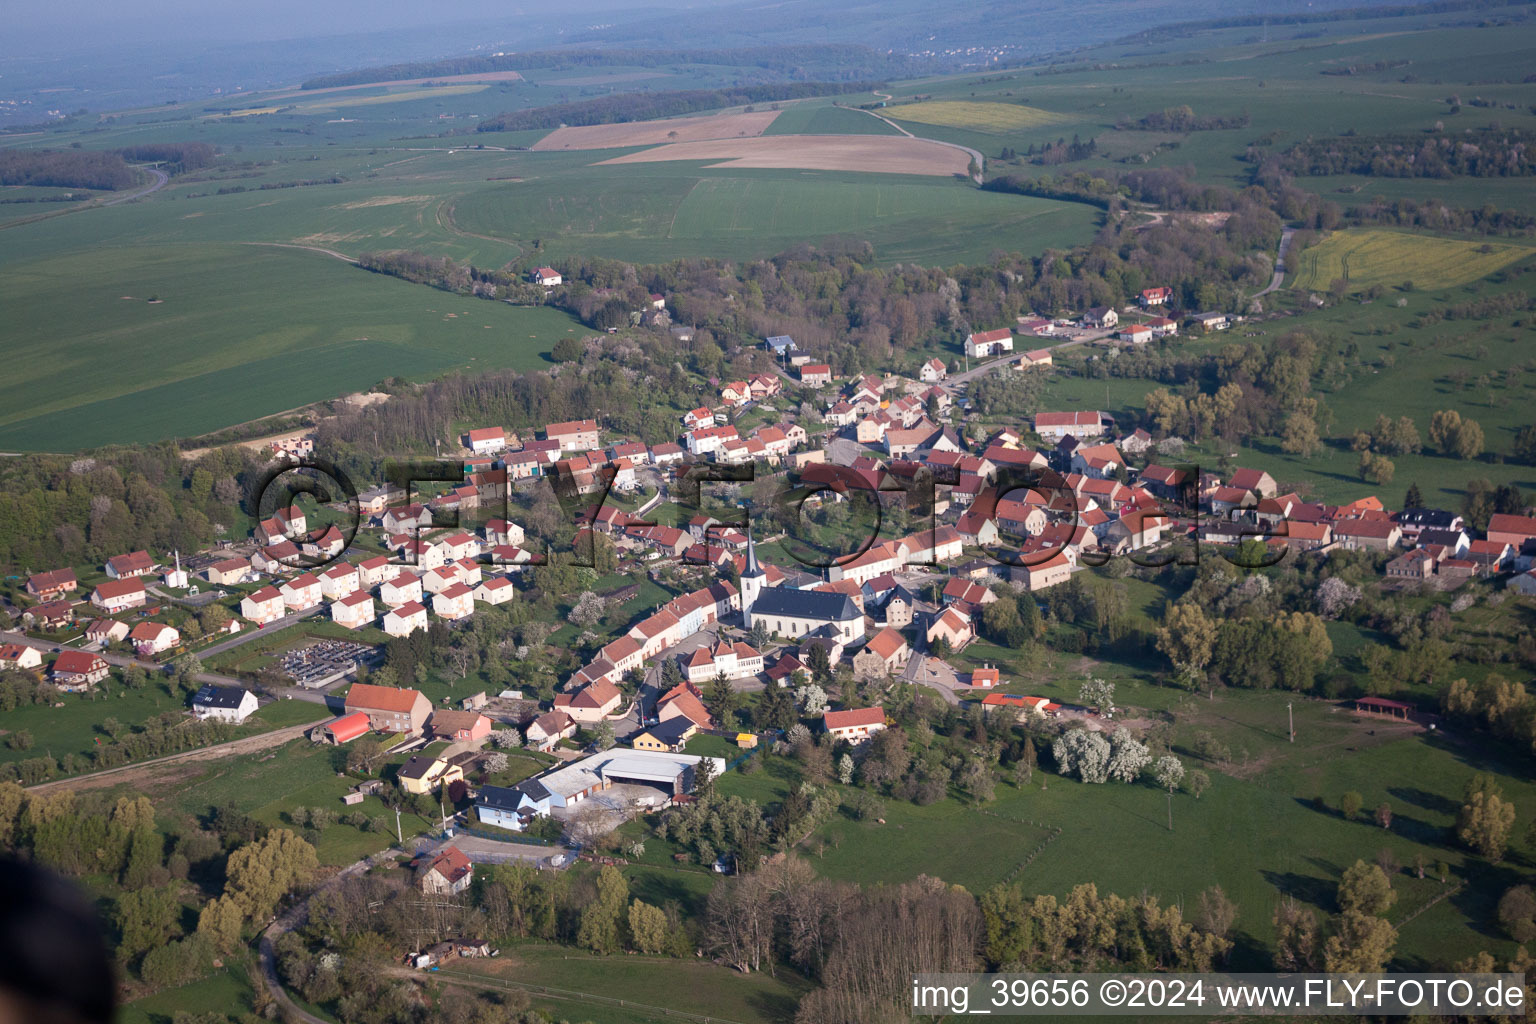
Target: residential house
(119, 594)
(781, 345)
(855, 725)
(486, 440)
(671, 735)
(339, 580)
(1035, 358)
(1211, 321)
(106, 631)
(51, 586)
(886, 653)
(389, 709)
(1048, 573)
(424, 773)
(151, 638)
(448, 873)
(952, 625)
(263, 606)
(1255, 480)
(592, 703)
(1101, 316)
(301, 593)
(574, 435)
(457, 602)
(815, 375)
(137, 563)
(1367, 534)
(406, 619)
(1136, 334)
(932, 371)
(353, 611)
(983, 344)
(545, 732)
(229, 572)
(495, 590)
(77, 671)
(1053, 426)
(459, 726)
(20, 657)
(1151, 297)
(1511, 529)
(403, 589)
(1163, 327)
(233, 704)
(549, 277)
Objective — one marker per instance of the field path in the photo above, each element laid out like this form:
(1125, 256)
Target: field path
(981, 161)
(172, 766)
(312, 248)
(1279, 276)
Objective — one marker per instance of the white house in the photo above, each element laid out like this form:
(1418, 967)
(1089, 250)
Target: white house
(547, 276)
(353, 611)
(224, 703)
(405, 620)
(338, 581)
(301, 592)
(496, 590)
(264, 606)
(403, 589)
(982, 344)
(150, 638)
(457, 602)
(856, 725)
(486, 440)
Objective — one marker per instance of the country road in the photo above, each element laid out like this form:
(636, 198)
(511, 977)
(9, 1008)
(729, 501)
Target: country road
(1278, 277)
(161, 178)
(981, 161)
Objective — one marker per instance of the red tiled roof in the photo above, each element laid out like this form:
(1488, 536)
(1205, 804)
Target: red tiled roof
(382, 698)
(853, 718)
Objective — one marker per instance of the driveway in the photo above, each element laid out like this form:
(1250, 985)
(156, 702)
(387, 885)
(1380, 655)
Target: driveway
(936, 675)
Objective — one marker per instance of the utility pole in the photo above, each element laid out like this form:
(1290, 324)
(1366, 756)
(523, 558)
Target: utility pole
(1291, 715)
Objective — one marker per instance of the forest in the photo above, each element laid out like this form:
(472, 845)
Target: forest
(1182, 119)
(1488, 152)
(648, 106)
(68, 168)
(793, 63)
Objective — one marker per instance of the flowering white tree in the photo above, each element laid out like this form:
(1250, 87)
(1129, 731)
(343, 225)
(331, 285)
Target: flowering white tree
(1082, 753)
(1097, 694)
(1128, 756)
(1169, 772)
(812, 700)
(506, 738)
(1334, 596)
(496, 763)
(845, 769)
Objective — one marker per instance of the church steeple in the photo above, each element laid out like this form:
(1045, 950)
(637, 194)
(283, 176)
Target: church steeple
(752, 580)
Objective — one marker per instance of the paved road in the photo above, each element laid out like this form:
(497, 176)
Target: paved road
(955, 380)
(934, 674)
(1279, 275)
(981, 161)
(159, 183)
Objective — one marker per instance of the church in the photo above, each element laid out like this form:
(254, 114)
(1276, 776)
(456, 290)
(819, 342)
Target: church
(792, 613)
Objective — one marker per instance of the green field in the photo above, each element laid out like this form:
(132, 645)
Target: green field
(987, 117)
(759, 214)
(1370, 257)
(806, 119)
(95, 362)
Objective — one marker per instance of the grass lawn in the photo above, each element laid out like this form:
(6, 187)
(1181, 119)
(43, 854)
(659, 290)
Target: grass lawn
(689, 986)
(226, 991)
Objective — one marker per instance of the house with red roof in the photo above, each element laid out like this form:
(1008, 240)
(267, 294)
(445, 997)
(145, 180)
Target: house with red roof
(51, 586)
(389, 709)
(886, 653)
(815, 375)
(263, 606)
(932, 371)
(982, 344)
(1511, 529)
(120, 594)
(486, 440)
(1053, 426)
(590, 704)
(405, 619)
(137, 563)
(353, 611)
(855, 725)
(1155, 296)
(77, 671)
(446, 873)
(151, 638)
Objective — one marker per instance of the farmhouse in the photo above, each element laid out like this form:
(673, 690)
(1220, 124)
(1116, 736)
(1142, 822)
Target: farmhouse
(1367, 534)
(1212, 321)
(389, 709)
(118, 595)
(886, 652)
(1511, 529)
(1101, 316)
(448, 872)
(549, 277)
(1053, 426)
(983, 344)
(224, 703)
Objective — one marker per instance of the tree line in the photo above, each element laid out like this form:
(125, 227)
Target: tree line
(831, 61)
(1182, 119)
(1489, 152)
(648, 106)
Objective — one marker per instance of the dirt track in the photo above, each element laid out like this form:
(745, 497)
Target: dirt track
(148, 774)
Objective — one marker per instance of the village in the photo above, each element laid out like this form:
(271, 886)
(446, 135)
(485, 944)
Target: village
(1021, 509)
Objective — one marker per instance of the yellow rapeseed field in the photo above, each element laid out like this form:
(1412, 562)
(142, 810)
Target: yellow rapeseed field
(1370, 256)
(987, 117)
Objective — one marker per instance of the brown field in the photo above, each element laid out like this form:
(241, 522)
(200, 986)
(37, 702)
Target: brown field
(887, 154)
(487, 76)
(655, 133)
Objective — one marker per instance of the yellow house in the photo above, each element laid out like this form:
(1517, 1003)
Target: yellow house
(424, 773)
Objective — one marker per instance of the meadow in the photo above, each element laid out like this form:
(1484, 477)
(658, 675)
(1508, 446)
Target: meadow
(195, 347)
(1390, 258)
(996, 116)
